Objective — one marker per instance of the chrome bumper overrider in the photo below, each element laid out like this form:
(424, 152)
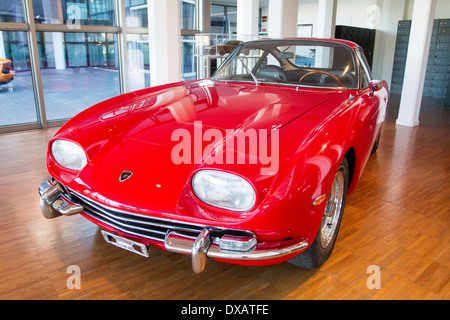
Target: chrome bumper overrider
(52, 203)
(200, 242)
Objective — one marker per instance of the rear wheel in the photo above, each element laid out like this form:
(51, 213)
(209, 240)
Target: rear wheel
(320, 249)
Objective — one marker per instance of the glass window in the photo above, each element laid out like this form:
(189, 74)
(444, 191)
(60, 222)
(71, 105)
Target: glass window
(280, 61)
(224, 18)
(232, 15)
(188, 63)
(138, 61)
(78, 71)
(11, 11)
(136, 13)
(75, 12)
(17, 103)
(188, 21)
(219, 21)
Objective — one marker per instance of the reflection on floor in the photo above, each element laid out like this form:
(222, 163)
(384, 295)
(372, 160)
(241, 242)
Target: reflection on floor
(397, 220)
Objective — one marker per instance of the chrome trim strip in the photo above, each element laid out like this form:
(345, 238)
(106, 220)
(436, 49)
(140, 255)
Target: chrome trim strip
(257, 254)
(116, 223)
(112, 216)
(124, 230)
(165, 223)
(178, 243)
(170, 221)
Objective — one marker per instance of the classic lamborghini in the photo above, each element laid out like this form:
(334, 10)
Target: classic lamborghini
(251, 166)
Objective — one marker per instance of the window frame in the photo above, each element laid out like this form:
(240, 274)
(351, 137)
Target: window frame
(363, 68)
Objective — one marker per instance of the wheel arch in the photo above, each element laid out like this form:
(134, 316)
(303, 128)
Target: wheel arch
(351, 159)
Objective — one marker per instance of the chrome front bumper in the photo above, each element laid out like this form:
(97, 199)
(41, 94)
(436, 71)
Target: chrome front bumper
(206, 242)
(52, 203)
(207, 246)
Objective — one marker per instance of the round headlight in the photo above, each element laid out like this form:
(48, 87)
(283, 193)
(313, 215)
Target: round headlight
(224, 190)
(69, 155)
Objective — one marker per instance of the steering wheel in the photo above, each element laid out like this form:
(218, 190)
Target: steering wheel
(338, 81)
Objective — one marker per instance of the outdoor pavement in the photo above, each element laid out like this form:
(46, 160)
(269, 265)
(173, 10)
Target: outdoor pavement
(66, 93)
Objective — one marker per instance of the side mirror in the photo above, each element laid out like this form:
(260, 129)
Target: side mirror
(375, 85)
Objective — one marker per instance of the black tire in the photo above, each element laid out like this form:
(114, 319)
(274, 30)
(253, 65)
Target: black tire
(320, 250)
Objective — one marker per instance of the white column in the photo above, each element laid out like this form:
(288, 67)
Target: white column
(326, 23)
(247, 17)
(416, 62)
(54, 10)
(204, 11)
(164, 28)
(384, 51)
(58, 50)
(2, 47)
(283, 15)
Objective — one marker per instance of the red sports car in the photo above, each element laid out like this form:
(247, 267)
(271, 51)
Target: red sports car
(252, 166)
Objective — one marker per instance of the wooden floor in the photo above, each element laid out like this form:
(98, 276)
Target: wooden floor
(397, 219)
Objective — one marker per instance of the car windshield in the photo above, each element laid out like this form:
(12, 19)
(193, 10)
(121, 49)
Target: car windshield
(292, 62)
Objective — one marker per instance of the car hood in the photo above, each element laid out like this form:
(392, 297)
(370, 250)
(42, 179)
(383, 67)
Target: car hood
(153, 118)
(134, 132)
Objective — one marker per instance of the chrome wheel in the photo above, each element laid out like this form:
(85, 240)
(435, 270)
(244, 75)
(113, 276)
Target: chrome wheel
(333, 210)
(320, 250)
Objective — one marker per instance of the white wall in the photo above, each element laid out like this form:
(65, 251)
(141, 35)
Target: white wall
(308, 14)
(369, 14)
(442, 9)
(349, 12)
(355, 13)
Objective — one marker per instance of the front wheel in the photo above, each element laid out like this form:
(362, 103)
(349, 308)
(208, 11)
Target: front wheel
(320, 249)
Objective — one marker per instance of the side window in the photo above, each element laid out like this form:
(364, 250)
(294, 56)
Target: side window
(366, 77)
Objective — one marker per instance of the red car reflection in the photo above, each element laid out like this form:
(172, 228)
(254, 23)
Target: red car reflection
(6, 73)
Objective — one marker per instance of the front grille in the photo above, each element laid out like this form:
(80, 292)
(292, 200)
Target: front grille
(133, 223)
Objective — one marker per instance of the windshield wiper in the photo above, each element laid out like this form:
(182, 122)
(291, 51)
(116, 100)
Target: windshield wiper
(248, 70)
